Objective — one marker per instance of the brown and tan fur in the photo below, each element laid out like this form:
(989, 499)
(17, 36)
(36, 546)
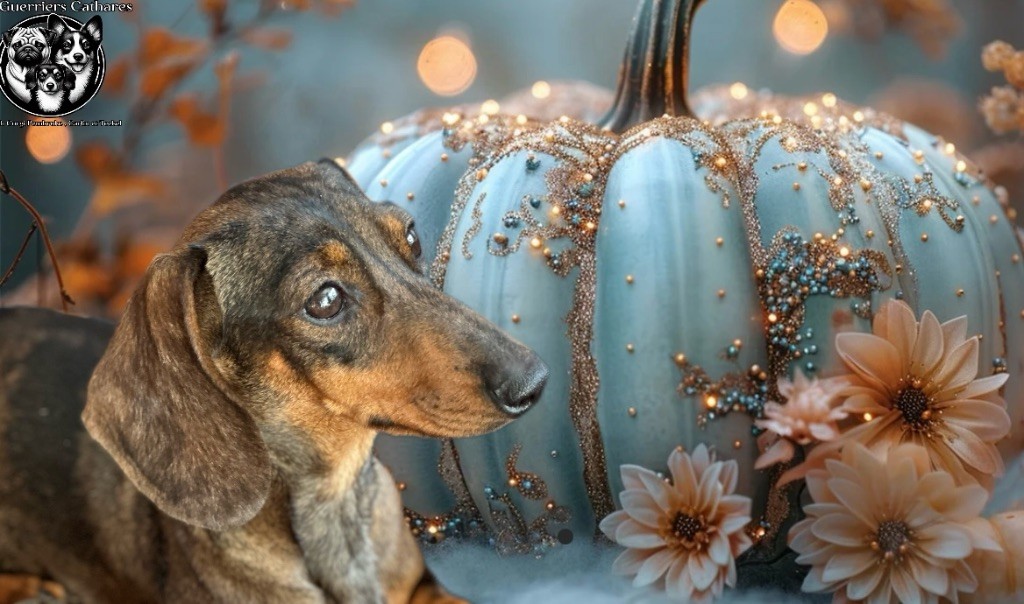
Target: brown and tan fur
(224, 453)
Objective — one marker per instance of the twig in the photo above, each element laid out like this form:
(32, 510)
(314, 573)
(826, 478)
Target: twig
(17, 257)
(7, 189)
(144, 111)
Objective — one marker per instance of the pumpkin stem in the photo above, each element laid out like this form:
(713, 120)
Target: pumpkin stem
(655, 71)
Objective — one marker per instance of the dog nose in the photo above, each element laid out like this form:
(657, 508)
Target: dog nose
(516, 385)
(79, 56)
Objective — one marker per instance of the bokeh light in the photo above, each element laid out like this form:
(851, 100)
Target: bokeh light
(446, 65)
(800, 26)
(540, 89)
(48, 144)
(738, 91)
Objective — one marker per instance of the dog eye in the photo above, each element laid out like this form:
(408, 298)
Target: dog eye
(67, 46)
(38, 45)
(326, 303)
(18, 44)
(413, 240)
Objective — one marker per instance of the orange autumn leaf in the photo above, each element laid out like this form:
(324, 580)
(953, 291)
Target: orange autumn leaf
(115, 186)
(333, 8)
(268, 38)
(133, 260)
(116, 79)
(214, 8)
(159, 45)
(299, 5)
(202, 128)
(85, 280)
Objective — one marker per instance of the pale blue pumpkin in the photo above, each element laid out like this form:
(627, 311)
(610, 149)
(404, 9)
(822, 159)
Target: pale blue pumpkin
(670, 270)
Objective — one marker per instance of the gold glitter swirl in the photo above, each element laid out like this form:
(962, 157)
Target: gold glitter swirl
(528, 484)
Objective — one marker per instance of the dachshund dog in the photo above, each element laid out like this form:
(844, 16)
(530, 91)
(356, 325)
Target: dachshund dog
(224, 453)
(50, 84)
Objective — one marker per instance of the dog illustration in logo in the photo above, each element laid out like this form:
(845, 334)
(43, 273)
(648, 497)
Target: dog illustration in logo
(77, 49)
(50, 84)
(27, 48)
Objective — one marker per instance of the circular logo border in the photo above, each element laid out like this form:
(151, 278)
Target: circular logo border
(101, 56)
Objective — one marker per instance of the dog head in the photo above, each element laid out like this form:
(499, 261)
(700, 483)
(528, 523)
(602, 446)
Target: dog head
(76, 48)
(292, 315)
(28, 46)
(50, 78)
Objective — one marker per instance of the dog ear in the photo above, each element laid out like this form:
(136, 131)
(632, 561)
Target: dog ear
(50, 36)
(338, 168)
(94, 29)
(55, 24)
(69, 77)
(9, 37)
(30, 78)
(159, 406)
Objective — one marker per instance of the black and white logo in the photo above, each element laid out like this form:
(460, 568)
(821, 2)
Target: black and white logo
(52, 65)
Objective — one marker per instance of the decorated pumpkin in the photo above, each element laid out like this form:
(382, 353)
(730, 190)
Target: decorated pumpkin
(672, 268)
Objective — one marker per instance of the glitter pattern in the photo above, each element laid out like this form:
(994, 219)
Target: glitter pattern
(513, 533)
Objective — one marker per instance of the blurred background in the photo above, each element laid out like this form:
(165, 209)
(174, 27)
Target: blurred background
(211, 92)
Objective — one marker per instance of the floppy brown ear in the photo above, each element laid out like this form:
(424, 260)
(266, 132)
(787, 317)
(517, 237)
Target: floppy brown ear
(158, 405)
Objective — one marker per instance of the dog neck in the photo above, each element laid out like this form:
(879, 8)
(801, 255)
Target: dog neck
(332, 489)
(49, 103)
(16, 71)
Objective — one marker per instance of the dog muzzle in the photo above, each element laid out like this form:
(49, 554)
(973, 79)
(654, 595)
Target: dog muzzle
(27, 56)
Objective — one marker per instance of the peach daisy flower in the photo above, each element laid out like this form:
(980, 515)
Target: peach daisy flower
(684, 535)
(809, 415)
(918, 382)
(886, 528)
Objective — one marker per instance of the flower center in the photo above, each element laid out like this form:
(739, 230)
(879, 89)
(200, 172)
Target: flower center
(892, 539)
(913, 403)
(690, 529)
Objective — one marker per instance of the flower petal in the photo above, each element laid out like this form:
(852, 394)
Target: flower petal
(989, 421)
(840, 529)
(681, 468)
(629, 561)
(873, 359)
(929, 346)
(610, 523)
(683, 589)
(857, 498)
(931, 578)
(860, 586)
(846, 565)
(905, 588)
(658, 489)
(631, 475)
(780, 451)
(971, 449)
(954, 332)
(959, 367)
(945, 541)
(976, 389)
(633, 534)
(641, 507)
(654, 567)
(718, 549)
(703, 571)
(731, 524)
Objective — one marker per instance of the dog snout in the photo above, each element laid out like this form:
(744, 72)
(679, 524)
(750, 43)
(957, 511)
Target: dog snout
(516, 384)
